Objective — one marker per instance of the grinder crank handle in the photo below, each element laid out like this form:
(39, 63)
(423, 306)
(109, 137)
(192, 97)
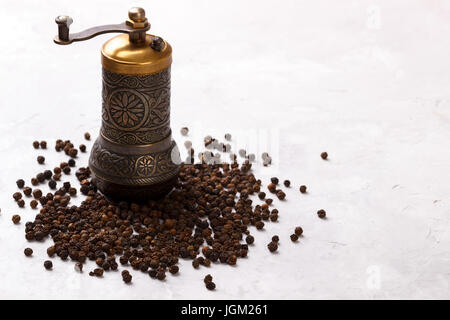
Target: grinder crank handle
(136, 25)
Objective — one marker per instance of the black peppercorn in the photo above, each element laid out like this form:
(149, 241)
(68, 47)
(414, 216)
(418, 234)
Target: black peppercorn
(21, 203)
(87, 136)
(28, 252)
(275, 238)
(40, 159)
(294, 237)
(73, 152)
(259, 225)
(52, 184)
(126, 276)
(66, 170)
(287, 183)
(34, 181)
(321, 213)
(20, 183)
(48, 264)
(298, 231)
(17, 196)
(16, 219)
(98, 272)
(48, 174)
(173, 269)
(261, 195)
(210, 285)
(37, 193)
(249, 239)
(27, 191)
(36, 144)
(33, 204)
(71, 163)
(281, 195)
(208, 278)
(160, 275)
(274, 180)
(303, 189)
(324, 155)
(82, 148)
(272, 246)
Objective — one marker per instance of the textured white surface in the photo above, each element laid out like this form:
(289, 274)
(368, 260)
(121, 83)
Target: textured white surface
(367, 81)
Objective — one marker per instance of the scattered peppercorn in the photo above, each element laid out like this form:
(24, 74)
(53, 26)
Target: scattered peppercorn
(34, 181)
(40, 159)
(16, 219)
(275, 238)
(48, 264)
(33, 204)
(287, 183)
(73, 152)
(40, 177)
(71, 163)
(269, 201)
(272, 187)
(21, 203)
(20, 183)
(98, 272)
(87, 136)
(324, 155)
(43, 144)
(28, 252)
(36, 144)
(298, 231)
(294, 237)
(160, 275)
(82, 148)
(303, 189)
(52, 184)
(321, 213)
(281, 195)
(261, 195)
(208, 278)
(259, 225)
(66, 170)
(174, 269)
(17, 196)
(210, 285)
(249, 239)
(274, 180)
(126, 276)
(272, 246)
(37, 193)
(27, 191)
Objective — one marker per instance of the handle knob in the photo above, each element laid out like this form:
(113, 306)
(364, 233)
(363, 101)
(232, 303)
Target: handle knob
(64, 23)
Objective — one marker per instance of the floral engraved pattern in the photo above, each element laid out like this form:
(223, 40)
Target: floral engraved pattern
(145, 165)
(127, 109)
(136, 109)
(134, 169)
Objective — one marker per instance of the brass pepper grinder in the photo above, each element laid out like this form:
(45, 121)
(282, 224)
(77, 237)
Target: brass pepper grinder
(134, 157)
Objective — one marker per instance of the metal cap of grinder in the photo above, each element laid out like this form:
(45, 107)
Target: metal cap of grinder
(134, 157)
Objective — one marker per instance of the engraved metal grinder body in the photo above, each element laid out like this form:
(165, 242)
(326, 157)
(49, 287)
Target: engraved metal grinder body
(134, 157)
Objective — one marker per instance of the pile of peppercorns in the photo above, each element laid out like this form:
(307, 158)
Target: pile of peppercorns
(206, 218)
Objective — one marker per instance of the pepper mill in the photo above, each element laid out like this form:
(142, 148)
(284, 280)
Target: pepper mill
(134, 157)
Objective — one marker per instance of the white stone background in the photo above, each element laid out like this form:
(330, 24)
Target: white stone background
(367, 81)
